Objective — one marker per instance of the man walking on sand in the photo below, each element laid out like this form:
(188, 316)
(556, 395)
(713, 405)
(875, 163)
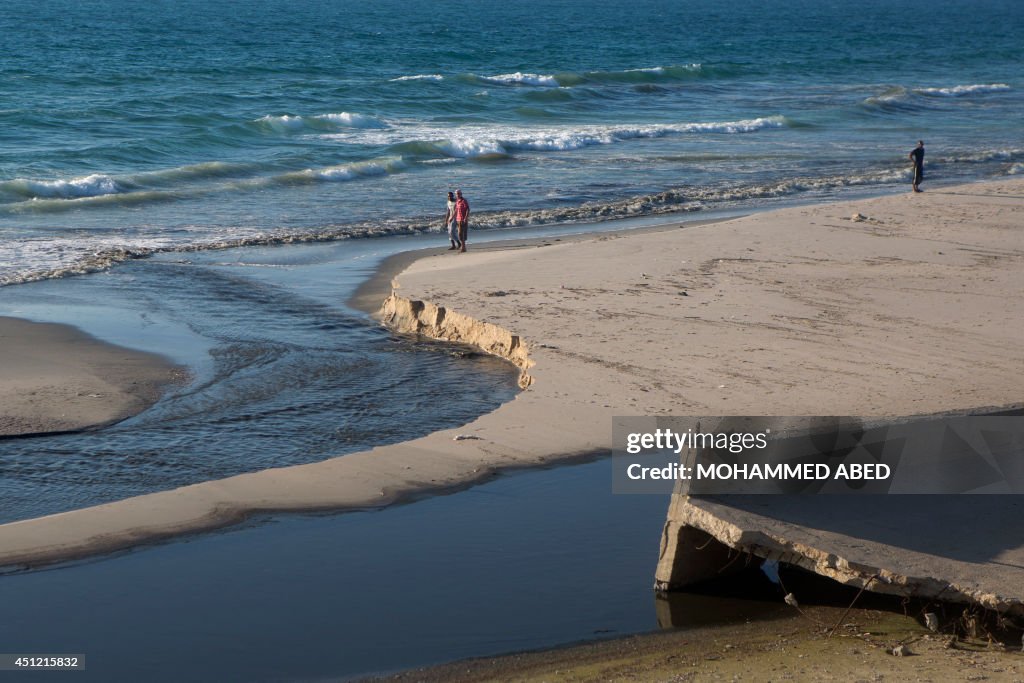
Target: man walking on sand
(462, 217)
(917, 156)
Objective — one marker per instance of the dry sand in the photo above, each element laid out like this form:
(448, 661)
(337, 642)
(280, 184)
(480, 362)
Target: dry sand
(54, 378)
(912, 307)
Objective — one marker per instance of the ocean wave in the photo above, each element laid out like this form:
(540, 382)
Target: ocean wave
(345, 172)
(982, 156)
(63, 205)
(201, 171)
(287, 123)
(73, 257)
(54, 258)
(350, 120)
(94, 185)
(53, 196)
(519, 78)
(656, 73)
(1016, 169)
(961, 90)
(491, 141)
(46, 196)
(900, 99)
(419, 77)
(895, 99)
(640, 75)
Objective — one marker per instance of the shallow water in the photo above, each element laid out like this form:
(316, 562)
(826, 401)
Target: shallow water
(284, 374)
(529, 560)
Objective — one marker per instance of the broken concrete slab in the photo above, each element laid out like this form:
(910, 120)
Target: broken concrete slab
(955, 548)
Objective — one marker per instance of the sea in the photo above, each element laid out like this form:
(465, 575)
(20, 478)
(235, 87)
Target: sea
(211, 181)
(130, 128)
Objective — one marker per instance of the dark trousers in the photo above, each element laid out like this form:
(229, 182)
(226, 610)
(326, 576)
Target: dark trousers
(463, 231)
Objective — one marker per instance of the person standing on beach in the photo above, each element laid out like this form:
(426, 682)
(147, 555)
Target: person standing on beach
(462, 217)
(452, 224)
(917, 156)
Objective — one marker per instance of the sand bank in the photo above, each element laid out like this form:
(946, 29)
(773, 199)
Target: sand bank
(55, 378)
(892, 306)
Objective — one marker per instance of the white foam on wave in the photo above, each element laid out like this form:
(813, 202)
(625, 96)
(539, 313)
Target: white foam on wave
(289, 124)
(662, 70)
(53, 257)
(285, 122)
(485, 142)
(94, 185)
(520, 78)
(961, 90)
(1016, 169)
(981, 156)
(476, 141)
(891, 95)
(647, 70)
(352, 120)
(419, 77)
(50, 257)
(469, 147)
(345, 172)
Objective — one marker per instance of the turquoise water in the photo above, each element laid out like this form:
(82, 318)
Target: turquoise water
(128, 128)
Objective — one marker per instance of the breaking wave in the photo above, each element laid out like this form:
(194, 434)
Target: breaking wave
(568, 79)
(519, 78)
(480, 144)
(344, 172)
(94, 185)
(418, 77)
(491, 142)
(292, 124)
(900, 99)
(982, 156)
(74, 257)
(961, 90)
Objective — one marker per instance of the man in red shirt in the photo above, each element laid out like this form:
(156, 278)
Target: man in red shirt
(462, 217)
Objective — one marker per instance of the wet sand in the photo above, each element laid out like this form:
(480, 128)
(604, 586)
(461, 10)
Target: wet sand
(794, 649)
(54, 378)
(889, 306)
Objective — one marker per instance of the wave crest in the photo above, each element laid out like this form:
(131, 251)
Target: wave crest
(418, 77)
(641, 75)
(519, 78)
(287, 123)
(961, 90)
(94, 185)
(503, 142)
(83, 257)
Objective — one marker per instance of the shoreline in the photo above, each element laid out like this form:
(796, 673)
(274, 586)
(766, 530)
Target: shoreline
(57, 379)
(786, 646)
(590, 365)
(370, 295)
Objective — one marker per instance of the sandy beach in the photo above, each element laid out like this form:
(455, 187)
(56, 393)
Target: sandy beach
(55, 378)
(889, 306)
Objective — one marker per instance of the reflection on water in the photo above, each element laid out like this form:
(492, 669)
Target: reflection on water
(530, 560)
(693, 610)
